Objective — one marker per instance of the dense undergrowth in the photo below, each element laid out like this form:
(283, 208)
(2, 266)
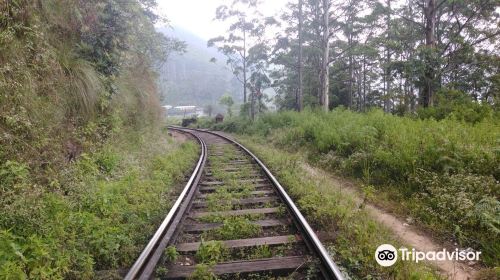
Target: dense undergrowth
(82, 164)
(97, 216)
(71, 72)
(354, 235)
(444, 173)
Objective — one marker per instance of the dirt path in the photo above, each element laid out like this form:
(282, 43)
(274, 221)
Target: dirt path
(408, 234)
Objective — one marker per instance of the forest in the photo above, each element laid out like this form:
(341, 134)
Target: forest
(400, 56)
(399, 100)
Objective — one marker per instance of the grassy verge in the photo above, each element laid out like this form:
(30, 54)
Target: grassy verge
(445, 174)
(97, 215)
(355, 235)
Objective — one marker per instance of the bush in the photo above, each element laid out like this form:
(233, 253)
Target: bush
(107, 161)
(441, 170)
(11, 174)
(456, 105)
(68, 205)
(466, 204)
(99, 214)
(354, 235)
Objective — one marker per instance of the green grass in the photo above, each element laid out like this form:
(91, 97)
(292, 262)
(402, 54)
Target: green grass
(445, 174)
(357, 236)
(234, 228)
(171, 254)
(211, 252)
(84, 173)
(97, 216)
(202, 272)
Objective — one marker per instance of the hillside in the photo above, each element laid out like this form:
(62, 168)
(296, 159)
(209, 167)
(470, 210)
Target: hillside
(190, 78)
(85, 168)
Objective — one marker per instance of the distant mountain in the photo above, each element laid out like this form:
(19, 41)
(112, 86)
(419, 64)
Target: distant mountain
(191, 79)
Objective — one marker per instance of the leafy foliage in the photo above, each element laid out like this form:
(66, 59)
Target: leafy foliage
(395, 55)
(211, 252)
(72, 72)
(456, 105)
(171, 254)
(245, 48)
(202, 272)
(356, 234)
(96, 218)
(445, 172)
(227, 101)
(76, 77)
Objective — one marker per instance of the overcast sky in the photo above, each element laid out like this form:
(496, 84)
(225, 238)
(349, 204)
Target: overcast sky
(197, 15)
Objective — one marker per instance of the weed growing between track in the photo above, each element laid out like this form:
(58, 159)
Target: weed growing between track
(326, 209)
(444, 174)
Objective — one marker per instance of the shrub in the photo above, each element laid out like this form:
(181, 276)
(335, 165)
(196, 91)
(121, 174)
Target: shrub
(466, 205)
(440, 169)
(97, 218)
(456, 105)
(354, 235)
(107, 161)
(12, 173)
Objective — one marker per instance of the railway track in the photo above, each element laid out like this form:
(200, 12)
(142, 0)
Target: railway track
(233, 220)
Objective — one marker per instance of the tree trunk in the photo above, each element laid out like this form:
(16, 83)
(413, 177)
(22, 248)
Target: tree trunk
(252, 104)
(363, 104)
(430, 41)
(300, 97)
(324, 102)
(244, 63)
(359, 75)
(351, 67)
(387, 74)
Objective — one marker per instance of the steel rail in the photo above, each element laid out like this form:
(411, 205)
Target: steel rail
(330, 268)
(144, 259)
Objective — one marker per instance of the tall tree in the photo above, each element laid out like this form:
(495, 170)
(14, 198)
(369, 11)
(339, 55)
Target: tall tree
(325, 62)
(300, 90)
(387, 68)
(386, 54)
(430, 11)
(246, 29)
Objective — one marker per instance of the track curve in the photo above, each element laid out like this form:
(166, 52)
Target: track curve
(233, 220)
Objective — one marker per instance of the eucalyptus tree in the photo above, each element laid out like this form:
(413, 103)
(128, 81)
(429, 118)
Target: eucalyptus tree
(258, 62)
(227, 101)
(288, 58)
(304, 49)
(349, 23)
(453, 33)
(389, 54)
(246, 28)
(325, 62)
(300, 90)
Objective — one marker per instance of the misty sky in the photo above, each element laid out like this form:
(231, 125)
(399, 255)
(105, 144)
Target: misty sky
(197, 15)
